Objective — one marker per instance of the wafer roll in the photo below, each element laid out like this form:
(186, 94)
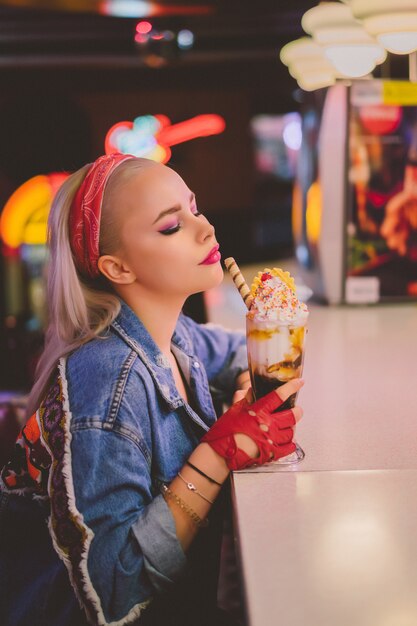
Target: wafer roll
(234, 271)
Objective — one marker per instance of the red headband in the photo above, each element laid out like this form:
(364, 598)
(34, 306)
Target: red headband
(85, 213)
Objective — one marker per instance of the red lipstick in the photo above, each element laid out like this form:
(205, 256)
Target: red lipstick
(213, 256)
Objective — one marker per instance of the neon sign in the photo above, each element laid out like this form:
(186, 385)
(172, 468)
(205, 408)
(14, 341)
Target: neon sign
(25, 214)
(151, 136)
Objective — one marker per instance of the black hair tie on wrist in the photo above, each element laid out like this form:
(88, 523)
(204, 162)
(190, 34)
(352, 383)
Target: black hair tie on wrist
(203, 474)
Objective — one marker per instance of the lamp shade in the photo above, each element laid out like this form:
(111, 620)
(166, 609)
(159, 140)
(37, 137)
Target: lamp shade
(392, 22)
(303, 48)
(303, 67)
(353, 60)
(319, 80)
(307, 64)
(346, 44)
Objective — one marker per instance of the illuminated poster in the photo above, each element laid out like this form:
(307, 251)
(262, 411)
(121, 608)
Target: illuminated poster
(381, 261)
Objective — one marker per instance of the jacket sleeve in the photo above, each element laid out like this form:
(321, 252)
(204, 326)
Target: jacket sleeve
(132, 552)
(223, 354)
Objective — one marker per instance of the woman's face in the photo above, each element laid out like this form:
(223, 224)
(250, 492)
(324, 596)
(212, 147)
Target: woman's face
(167, 243)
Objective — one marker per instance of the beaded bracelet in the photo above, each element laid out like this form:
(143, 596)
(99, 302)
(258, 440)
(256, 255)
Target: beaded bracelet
(194, 489)
(198, 521)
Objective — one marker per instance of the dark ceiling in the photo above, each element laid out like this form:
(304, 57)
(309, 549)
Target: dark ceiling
(77, 33)
(47, 42)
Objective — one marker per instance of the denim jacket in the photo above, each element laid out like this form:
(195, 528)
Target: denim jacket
(114, 428)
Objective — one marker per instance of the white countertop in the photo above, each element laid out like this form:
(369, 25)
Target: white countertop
(360, 393)
(328, 548)
(332, 541)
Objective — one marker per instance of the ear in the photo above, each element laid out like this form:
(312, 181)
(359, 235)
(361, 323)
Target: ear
(115, 270)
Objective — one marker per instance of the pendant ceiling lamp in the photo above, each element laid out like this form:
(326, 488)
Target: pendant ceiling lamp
(392, 22)
(307, 64)
(346, 44)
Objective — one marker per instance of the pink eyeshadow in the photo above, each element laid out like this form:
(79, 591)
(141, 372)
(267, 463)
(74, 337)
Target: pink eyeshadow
(168, 226)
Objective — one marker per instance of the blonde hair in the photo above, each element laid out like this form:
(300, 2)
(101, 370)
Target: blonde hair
(79, 309)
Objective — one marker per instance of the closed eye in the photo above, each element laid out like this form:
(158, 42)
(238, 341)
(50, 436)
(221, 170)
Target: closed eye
(176, 227)
(171, 230)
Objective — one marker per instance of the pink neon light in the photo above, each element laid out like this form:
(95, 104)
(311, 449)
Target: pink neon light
(139, 38)
(111, 137)
(199, 126)
(163, 120)
(143, 28)
(171, 134)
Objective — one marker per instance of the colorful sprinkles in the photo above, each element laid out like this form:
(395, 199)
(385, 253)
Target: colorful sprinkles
(274, 296)
(267, 274)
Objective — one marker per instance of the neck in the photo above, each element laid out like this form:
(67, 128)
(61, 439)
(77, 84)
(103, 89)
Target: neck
(157, 312)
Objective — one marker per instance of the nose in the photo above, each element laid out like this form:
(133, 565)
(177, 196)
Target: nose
(206, 230)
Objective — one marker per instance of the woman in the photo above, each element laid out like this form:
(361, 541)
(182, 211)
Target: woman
(122, 452)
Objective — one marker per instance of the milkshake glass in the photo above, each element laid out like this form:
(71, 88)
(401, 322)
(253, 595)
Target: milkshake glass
(276, 327)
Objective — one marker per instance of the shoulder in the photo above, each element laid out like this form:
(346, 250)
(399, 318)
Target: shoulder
(98, 359)
(98, 374)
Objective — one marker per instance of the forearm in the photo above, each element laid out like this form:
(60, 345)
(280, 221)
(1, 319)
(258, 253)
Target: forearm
(212, 464)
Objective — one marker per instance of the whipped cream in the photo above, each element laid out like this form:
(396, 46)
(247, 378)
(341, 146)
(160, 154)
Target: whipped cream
(267, 344)
(274, 299)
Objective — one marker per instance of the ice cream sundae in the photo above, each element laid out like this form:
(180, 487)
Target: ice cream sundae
(276, 328)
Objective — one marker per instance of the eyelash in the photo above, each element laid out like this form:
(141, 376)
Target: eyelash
(175, 229)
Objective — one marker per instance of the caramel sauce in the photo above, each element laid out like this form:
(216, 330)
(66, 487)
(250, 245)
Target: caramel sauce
(262, 335)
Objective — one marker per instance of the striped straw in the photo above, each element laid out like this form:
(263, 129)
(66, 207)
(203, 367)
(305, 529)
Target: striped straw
(234, 271)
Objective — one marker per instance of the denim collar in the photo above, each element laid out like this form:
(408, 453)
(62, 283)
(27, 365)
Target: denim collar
(130, 328)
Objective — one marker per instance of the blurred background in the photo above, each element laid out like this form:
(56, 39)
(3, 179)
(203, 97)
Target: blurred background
(71, 70)
(80, 77)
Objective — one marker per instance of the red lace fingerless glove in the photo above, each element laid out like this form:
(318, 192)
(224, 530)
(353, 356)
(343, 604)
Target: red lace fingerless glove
(272, 432)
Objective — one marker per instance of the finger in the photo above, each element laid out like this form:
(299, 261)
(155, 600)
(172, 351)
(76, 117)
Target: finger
(274, 399)
(267, 404)
(290, 388)
(238, 395)
(298, 413)
(285, 419)
(239, 405)
(281, 437)
(284, 450)
(249, 396)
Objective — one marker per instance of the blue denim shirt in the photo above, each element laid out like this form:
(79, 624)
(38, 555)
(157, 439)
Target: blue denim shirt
(130, 431)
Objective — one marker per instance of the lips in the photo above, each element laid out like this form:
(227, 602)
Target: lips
(213, 256)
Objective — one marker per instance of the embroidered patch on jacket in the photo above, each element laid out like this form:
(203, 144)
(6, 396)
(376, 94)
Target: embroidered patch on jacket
(41, 464)
(28, 468)
(70, 535)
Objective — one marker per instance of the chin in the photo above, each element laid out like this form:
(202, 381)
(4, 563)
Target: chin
(213, 278)
(216, 276)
